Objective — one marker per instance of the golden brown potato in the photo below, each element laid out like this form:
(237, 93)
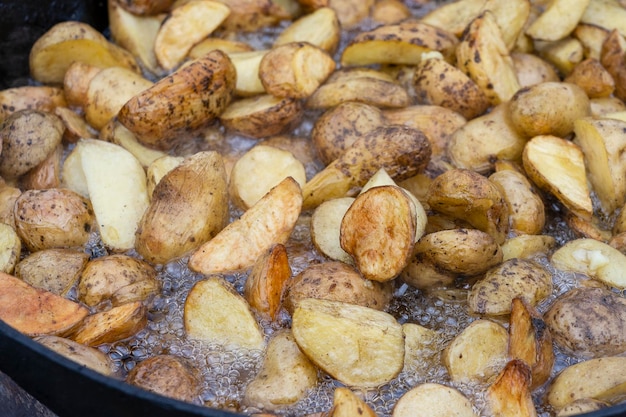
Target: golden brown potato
(158, 116)
(112, 325)
(336, 281)
(45, 175)
(532, 69)
(115, 132)
(564, 54)
(349, 12)
(285, 376)
(584, 335)
(295, 69)
(189, 206)
(320, 28)
(558, 20)
(327, 331)
(471, 197)
(326, 228)
(608, 14)
(54, 270)
(53, 218)
(510, 395)
(10, 248)
(390, 11)
(612, 58)
(76, 126)
(527, 246)
(591, 38)
(76, 82)
(28, 137)
(86, 356)
(593, 78)
(346, 403)
(434, 400)
(145, 7)
(8, 195)
(36, 312)
(168, 375)
(440, 83)
(581, 406)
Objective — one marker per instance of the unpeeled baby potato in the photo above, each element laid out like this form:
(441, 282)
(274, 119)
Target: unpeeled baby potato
(54, 270)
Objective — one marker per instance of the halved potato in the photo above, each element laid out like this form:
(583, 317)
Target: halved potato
(112, 325)
(320, 28)
(54, 270)
(558, 20)
(433, 400)
(326, 228)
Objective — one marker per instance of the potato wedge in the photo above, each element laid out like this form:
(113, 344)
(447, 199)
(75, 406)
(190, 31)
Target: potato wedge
(8, 195)
(326, 226)
(47, 174)
(591, 38)
(558, 20)
(54, 270)
(36, 312)
(189, 207)
(186, 25)
(422, 347)
(86, 356)
(158, 116)
(119, 196)
(285, 376)
(581, 406)
(613, 58)
(346, 403)
(213, 309)
(607, 14)
(592, 77)
(71, 41)
(112, 325)
(402, 43)
(564, 54)
(390, 11)
(76, 127)
(115, 132)
(159, 168)
(252, 15)
(33, 97)
(510, 394)
(527, 246)
(557, 166)
(434, 400)
(532, 69)
(329, 332)
(10, 248)
(247, 64)
(320, 28)
(270, 221)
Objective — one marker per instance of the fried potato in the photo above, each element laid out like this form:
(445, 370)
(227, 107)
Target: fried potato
(400, 150)
(213, 309)
(401, 43)
(10, 248)
(349, 12)
(336, 281)
(262, 115)
(115, 132)
(526, 246)
(158, 169)
(558, 20)
(477, 353)
(146, 7)
(593, 78)
(119, 196)
(247, 64)
(607, 14)
(469, 196)
(54, 270)
(320, 28)
(591, 37)
(168, 375)
(112, 325)
(285, 376)
(510, 394)
(581, 406)
(346, 403)
(267, 280)
(600, 379)
(564, 54)
(76, 82)
(557, 166)
(613, 58)
(483, 55)
(422, 347)
(28, 137)
(189, 207)
(185, 26)
(602, 107)
(327, 332)
(70, 41)
(186, 100)
(86, 356)
(8, 195)
(31, 97)
(252, 15)
(53, 218)
(259, 170)
(76, 127)
(230, 46)
(36, 312)
(390, 11)
(433, 400)
(270, 221)
(532, 69)
(326, 228)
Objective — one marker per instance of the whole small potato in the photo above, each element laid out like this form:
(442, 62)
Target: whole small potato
(28, 137)
(589, 322)
(548, 108)
(53, 218)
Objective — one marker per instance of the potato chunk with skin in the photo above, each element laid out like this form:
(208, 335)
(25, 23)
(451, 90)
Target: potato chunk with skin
(378, 230)
(510, 394)
(54, 270)
(359, 346)
(216, 313)
(320, 28)
(112, 325)
(433, 400)
(285, 376)
(167, 375)
(10, 248)
(326, 228)
(87, 356)
(493, 294)
(347, 404)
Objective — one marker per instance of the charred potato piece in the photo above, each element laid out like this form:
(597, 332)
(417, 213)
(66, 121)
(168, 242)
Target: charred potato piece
(435, 400)
(510, 394)
(54, 270)
(167, 375)
(86, 356)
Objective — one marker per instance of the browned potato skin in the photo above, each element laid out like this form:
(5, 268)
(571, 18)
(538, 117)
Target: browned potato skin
(198, 92)
(531, 69)
(47, 174)
(336, 281)
(189, 206)
(8, 196)
(168, 375)
(31, 97)
(589, 336)
(112, 325)
(104, 276)
(145, 7)
(55, 270)
(612, 58)
(53, 218)
(338, 128)
(470, 196)
(76, 82)
(510, 395)
(28, 137)
(592, 77)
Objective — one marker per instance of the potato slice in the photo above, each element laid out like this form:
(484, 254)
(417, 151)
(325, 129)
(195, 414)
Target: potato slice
(189, 207)
(267, 280)
(402, 43)
(259, 170)
(433, 400)
(185, 26)
(184, 101)
(320, 28)
(326, 228)
(359, 346)
(477, 353)
(213, 309)
(36, 312)
(346, 404)
(270, 221)
(10, 248)
(557, 166)
(594, 259)
(285, 376)
(600, 379)
(483, 55)
(558, 20)
(115, 132)
(119, 196)
(112, 325)
(54, 270)
(71, 41)
(86, 356)
(510, 395)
